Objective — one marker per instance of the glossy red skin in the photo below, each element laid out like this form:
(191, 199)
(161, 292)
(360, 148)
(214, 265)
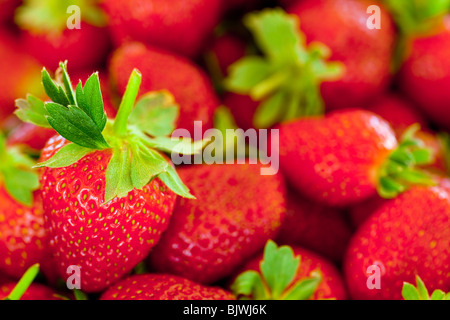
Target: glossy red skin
(23, 74)
(366, 54)
(332, 285)
(83, 48)
(161, 70)
(80, 229)
(22, 234)
(334, 160)
(407, 236)
(35, 291)
(315, 227)
(178, 26)
(163, 287)
(425, 75)
(398, 111)
(242, 107)
(360, 212)
(237, 210)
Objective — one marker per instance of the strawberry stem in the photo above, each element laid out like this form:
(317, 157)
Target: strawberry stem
(127, 104)
(24, 283)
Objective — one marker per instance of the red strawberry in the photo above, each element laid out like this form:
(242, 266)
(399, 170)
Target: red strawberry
(31, 136)
(399, 112)
(47, 37)
(209, 237)
(287, 273)
(190, 87)
(35, 291)
(108, 193)
(347, 156)
(316, 227)
(366, 54)
(163, 287)
(8, 7)
(407, 236)
(178, 26)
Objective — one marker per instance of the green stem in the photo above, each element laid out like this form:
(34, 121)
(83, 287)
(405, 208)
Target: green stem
(127, 104)
(266, 87)
(24, 283)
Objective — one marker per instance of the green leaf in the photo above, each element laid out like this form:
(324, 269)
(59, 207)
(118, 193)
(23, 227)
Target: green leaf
(421, 289)
(55, 92)
(247, 73)
(249, 284)
(65, 79)
(438, 295)
(66, 156)
(145, 166)
(155, 114)
(24, 282)
(177, 145)
(279, 268)
(304, 289)
(75, 125)
(20, 184)
(91, 102)
(409, 292)
(32, 110)
(80, 295)
(171, 179)
(269, 111)
(118, 174)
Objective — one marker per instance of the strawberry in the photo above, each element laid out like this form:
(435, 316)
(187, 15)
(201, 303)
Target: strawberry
(283, 84)
(178, 26)
(210, 237)
(420, 292)
(345, 157)
(191, 87)
(30, 135)
(289, 273)
(22, 234)
(422, 59)
(316, 227)
(365, 53)
(398, 111)
(22, 71)
(163, 287)
(46, 36)
(8, 7)
(407, 236)
(108, 194)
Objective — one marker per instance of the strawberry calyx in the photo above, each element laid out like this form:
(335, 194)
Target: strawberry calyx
(420, 292)
(401, 170)
(24, 282)
(286, 80)
(50, 16)
(275, 279)
(16, 173)
(444, 140)
(136, 137)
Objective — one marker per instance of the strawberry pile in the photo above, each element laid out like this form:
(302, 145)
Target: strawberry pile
(94, 206)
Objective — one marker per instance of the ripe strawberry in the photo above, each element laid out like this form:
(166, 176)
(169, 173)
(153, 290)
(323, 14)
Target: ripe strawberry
(315, 227)
(8, 7)
(345, 157)
(22, 71)
(210, 237)
(289, 273)
(407, 236)
(366, 54)
(423, 51)
(163, 287)
(22, 234)
(30, 135)
(190, 87)
(398, 111)
(46, 36)
(178, 26)
(107, 193)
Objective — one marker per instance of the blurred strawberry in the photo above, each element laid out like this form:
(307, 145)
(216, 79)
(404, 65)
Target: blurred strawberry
(179, 26)
(47, 37)
(189, 85)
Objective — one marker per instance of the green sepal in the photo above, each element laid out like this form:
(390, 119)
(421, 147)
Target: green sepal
(16, 174)
(155, 114)
(420, 292)
(66, 156)
(32, 110)
(54, 90)
(444, 140)
(50, 16)
(171, 179)
(402, 170)
(118, 174)
(286, 81)
(80, 295)
(24, 283)
(275, 279)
